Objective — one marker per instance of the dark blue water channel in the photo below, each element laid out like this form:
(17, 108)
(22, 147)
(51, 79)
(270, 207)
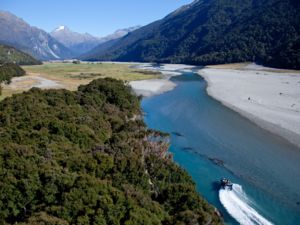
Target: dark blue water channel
(211, 141)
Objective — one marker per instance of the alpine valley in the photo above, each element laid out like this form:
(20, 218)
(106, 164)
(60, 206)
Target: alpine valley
(193, 119)
(215, 32)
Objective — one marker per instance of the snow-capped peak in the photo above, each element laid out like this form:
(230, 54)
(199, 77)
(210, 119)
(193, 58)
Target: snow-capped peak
(60, 28)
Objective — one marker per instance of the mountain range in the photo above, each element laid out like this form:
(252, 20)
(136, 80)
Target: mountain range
(215, 32)
(61, 43)
(119, 34)
(108, 41)
(34, 41)
(82, 43)
(76, 42)
(203, 32)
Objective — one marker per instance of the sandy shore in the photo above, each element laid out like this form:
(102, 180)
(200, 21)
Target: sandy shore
(269, 97)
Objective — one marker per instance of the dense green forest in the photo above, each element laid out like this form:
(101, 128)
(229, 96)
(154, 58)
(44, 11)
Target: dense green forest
(216, 32)
(8, 71)
(12, 55)
(85, 157)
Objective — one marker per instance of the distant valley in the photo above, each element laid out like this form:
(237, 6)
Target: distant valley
(82, 43)
(61, 43)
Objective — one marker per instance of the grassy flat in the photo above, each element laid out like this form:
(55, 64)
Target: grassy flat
(70, 75)
(89, 71)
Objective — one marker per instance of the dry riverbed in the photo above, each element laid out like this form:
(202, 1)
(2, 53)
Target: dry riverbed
(152, 87)
(269, 97)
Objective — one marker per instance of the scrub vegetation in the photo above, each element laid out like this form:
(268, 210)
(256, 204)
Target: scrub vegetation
(8, 71)
(85, 157)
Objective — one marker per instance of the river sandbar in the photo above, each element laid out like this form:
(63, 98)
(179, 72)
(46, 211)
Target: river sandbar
(268, 97)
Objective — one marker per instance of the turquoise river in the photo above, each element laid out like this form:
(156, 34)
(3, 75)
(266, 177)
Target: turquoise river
(211, 141)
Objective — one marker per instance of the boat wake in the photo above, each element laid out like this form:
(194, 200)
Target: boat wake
(238, 206)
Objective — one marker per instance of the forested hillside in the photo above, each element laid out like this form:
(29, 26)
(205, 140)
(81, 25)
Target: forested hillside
(8, 71)
(11, 55)
(216, 32)
(84, 158)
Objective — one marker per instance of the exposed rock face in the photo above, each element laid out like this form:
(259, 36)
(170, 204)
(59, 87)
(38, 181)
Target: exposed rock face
(78, 43)
(38, 43)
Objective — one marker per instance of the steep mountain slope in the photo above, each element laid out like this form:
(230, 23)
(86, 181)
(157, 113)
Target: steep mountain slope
(92, 55)
(36, 42)
(108, 41)
(78, 43)
(119, 34)
(217, 31)
(11, 55)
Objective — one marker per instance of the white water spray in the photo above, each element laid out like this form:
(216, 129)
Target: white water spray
(238, 206)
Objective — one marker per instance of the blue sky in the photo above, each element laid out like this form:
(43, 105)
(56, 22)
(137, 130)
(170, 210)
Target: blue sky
(97, 17)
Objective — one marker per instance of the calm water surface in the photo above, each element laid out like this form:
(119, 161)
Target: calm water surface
(210, 141)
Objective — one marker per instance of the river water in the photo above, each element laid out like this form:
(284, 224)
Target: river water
(211, 141)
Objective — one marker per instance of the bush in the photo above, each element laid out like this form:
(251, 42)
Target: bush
(10, 70)
(79, 158)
